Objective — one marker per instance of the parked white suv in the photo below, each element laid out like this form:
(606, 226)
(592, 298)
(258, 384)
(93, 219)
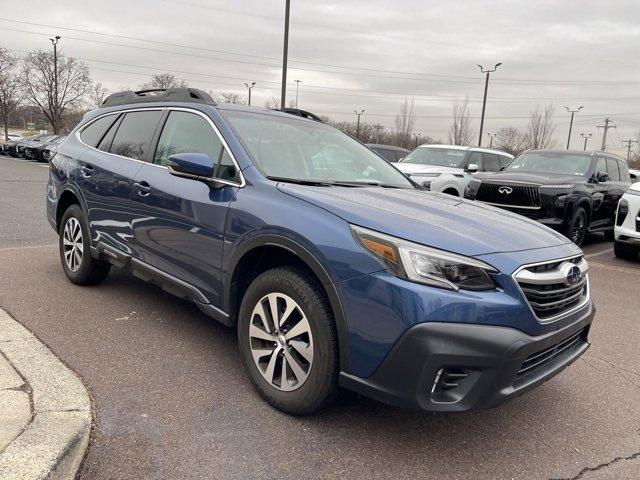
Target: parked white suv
(627, 230)
(449, 168)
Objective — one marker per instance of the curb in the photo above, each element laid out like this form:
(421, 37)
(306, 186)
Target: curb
(52, 445)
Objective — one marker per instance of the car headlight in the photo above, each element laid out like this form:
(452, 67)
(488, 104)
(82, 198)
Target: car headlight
(425, 265)
(429, 174)
(566, 186)
(632, 192)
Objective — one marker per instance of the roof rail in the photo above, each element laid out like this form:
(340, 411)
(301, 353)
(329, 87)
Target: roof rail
(303, 114)
(163, 95)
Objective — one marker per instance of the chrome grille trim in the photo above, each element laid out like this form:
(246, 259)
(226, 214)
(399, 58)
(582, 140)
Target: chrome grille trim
(544, 289)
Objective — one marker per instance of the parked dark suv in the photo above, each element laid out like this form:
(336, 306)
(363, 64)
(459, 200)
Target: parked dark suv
(332, 266)
(574, 192)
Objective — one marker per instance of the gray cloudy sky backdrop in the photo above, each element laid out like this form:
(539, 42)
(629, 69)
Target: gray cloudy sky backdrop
(367, 54)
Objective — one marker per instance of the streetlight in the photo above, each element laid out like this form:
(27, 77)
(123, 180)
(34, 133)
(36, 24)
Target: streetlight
(586, 137)
(416, 137)
(285, 53)
(250, 86)
(572, 112)
(358, 126)
(492, 136)
(298, 82)
(54, 42)
(484, 101)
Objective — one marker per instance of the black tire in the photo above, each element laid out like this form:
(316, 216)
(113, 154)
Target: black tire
(90, 271)
(321, 384)
(626, 252)
(576, 229)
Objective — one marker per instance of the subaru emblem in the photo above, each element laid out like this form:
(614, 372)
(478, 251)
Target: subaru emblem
(573, 275)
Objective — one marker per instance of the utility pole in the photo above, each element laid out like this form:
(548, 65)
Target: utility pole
(492, 136)
(298, 82)
(358, 125)
(572, 112)
(285, 53)
(629, 143)
(605, 128)
(250, 86)
(54, 42)
(484, 101)
(586, 137)
(379, 129)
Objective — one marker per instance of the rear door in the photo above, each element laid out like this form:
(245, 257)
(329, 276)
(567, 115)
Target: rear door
(179, 224)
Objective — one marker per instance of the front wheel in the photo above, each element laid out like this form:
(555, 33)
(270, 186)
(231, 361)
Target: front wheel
(627, 252)
(576, 230)
(287, 340)
(74, 244)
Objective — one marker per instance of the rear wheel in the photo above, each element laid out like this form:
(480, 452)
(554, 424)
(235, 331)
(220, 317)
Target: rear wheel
(74, 244)
(627, 252)
(576, 229)
(287, 341)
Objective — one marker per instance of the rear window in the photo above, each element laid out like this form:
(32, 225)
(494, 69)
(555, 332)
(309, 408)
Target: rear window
(92, 134)
(387, 154)
(612, 170)
(440, 157)
(134, 134)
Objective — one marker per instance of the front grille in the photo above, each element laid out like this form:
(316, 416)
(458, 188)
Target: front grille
(548, 288)
(509, 194)
(541, 358)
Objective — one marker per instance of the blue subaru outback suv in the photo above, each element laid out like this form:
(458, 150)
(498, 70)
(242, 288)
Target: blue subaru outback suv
(335, 269)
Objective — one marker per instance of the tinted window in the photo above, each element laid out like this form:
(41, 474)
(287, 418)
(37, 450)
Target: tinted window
(612, 170)
(134, 134)
(92, 134)
(624, 172)
(226, 169)
(186, 132)
(491, 163)
(388, 155)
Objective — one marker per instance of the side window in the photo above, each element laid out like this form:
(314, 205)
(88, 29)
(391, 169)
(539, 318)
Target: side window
(388, 155)
(400, 155)
(504, 161)
(226, 169)
(476, 157)
(624, 172)
(601, 166)
(134, 134)
(185, 132)
(612, 170)
(105, 143)
(92, 134)
(491, 163)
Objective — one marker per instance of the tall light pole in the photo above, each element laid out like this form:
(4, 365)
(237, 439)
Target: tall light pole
(586, 137)
(491, 136)
(54, 42)
(298, 82)
(285, 53)
(358, 125)
(572, 112)
(249, 87)
(416, 136)
(484, 101)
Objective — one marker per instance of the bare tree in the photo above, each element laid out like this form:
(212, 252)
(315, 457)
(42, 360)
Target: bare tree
(460, 132)
(97, 94)
(9, 87)
(511, 140)
(404, 123)
(162, 81)
(38, 81)
(272, 103)
(541, 127)
(228, 97)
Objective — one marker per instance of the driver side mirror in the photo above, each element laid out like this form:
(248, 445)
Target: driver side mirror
(602, 177)
(472, 168)
(196, 166)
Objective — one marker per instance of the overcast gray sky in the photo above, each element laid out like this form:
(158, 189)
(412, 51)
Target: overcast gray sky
(368, 54)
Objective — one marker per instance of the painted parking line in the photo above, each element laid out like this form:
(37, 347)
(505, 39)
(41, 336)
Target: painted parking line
(597, 254)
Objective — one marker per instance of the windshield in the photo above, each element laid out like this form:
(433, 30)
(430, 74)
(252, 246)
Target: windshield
(441, 157)
(299, 150)
(551, 162)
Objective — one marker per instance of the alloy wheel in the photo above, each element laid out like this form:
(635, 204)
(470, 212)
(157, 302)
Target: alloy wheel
(72, 244)
(281, 341)
(579, 229)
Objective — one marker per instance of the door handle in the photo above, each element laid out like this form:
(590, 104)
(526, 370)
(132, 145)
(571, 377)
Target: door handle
(87, 170)
(143, 188)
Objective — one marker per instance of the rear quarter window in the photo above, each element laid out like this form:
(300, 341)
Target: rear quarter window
(612, 170)
(93, 133)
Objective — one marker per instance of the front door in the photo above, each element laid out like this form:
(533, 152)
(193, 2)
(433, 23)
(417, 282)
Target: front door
(179, 223)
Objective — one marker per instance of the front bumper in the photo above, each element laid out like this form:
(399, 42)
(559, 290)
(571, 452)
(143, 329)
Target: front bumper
(491, 357)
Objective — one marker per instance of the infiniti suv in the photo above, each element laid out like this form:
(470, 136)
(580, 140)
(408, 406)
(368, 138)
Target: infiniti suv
(333, 267)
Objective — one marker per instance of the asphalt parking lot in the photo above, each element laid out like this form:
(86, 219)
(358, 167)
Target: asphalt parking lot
(171, 399)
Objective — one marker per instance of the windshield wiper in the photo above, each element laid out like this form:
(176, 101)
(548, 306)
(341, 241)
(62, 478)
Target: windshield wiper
(364, 184)
(300, 181)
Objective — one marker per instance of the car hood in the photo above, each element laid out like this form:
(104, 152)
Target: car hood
(418, 168)
(433, 219)
(541, 178)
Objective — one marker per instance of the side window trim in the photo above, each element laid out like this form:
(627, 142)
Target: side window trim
(156, 138)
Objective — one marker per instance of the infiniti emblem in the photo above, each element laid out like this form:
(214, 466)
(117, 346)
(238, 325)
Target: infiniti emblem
(573, 275)
(505, 190)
